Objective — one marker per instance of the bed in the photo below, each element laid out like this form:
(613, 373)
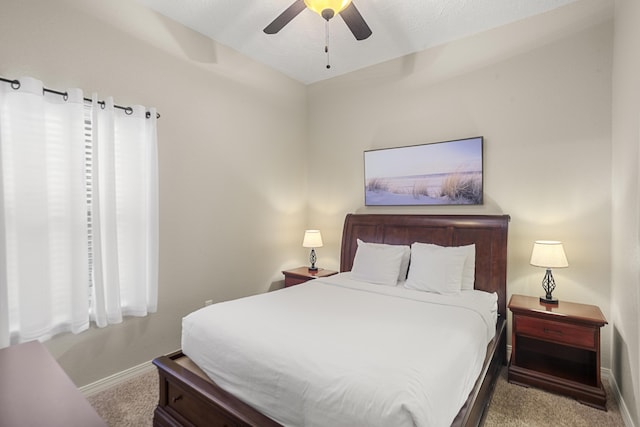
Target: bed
(189, 397)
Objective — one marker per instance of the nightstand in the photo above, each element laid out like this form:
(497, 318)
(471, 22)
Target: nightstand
(302, 274)
(556, 347)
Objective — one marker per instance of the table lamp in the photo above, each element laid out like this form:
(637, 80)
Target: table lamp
(312, 239)
(548, 254)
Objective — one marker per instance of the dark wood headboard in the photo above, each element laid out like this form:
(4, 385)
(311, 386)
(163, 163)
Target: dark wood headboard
(488, 232)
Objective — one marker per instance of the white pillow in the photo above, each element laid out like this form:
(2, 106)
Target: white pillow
(469, 268)
(379, 263)
(436, 268)
(406, 257)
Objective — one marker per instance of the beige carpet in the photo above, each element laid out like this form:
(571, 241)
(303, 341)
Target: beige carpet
(131, 404)
(514, 405)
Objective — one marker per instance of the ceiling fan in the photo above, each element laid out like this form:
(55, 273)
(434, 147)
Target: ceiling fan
(327, 9)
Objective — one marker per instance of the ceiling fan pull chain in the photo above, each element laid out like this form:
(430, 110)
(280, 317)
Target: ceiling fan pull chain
(326, 42)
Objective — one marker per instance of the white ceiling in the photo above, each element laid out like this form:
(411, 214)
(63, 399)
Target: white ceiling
(400, 27)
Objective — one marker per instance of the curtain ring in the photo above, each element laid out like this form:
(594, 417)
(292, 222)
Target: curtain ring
(65, 96)
(128, 111)
(15, 85)
(102, 104)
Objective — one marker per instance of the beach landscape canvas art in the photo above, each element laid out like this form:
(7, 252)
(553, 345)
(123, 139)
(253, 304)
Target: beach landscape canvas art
(441, 173)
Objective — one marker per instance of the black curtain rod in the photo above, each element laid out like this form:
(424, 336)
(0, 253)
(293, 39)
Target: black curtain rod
(15, 84)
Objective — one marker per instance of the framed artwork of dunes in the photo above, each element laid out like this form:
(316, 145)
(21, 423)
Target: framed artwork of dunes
(441, 173)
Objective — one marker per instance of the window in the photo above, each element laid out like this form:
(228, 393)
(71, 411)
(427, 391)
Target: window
(80, 201)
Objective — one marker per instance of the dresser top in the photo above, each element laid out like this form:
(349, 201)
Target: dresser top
(523, 304)
(35, 391)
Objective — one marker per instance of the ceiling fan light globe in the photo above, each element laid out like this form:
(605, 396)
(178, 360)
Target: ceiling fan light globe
(319, 6)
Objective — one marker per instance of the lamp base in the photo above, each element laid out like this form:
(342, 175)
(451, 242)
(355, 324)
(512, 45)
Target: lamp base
(312, 261)
(548, 300)
(548, 285)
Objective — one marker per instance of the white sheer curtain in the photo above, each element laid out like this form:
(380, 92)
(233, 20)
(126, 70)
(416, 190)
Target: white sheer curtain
(125, 213)
(51, 276)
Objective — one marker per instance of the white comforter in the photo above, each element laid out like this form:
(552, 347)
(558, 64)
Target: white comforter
(336, 352)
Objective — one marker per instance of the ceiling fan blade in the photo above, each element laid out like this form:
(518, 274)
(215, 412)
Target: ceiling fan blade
(285, 17)
(355, 22)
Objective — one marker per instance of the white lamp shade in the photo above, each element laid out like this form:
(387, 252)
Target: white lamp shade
(548, 254)
(312, 239)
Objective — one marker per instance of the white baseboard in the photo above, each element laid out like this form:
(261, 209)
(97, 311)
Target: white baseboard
(615, 390)
(115, 379)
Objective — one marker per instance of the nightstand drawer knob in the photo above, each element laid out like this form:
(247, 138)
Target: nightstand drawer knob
(178, 397)
(552, 331)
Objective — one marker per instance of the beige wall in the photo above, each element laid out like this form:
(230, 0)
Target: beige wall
(625, 301)
(231, 140)
(234, 164)
(539, 91)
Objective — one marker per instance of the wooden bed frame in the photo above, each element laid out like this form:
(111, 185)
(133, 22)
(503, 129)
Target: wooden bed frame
(189, 398)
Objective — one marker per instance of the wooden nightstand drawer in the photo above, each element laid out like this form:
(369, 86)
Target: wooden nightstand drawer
(562, 333)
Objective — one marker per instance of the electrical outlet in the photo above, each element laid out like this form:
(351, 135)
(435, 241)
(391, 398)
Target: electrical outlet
(208, 302)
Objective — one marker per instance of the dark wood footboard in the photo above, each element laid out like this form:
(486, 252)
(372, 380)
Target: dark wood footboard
(189, 398)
